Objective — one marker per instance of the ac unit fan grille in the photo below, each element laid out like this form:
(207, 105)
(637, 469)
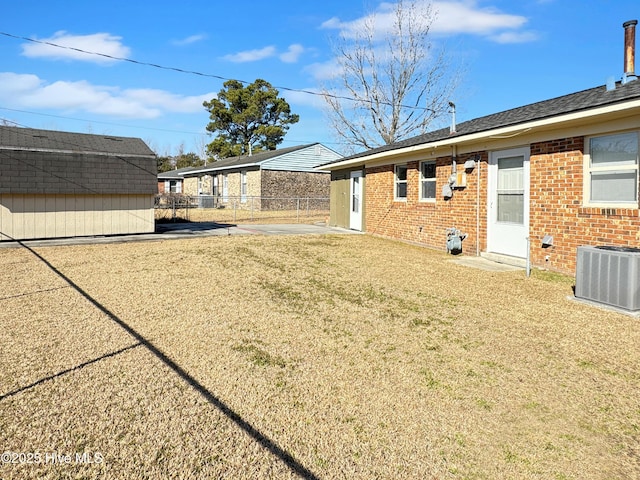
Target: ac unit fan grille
(609, 275)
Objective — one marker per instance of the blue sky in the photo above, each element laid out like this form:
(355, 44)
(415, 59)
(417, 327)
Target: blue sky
(511, 53)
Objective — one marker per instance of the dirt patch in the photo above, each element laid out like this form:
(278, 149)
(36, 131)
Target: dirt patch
(314, 356)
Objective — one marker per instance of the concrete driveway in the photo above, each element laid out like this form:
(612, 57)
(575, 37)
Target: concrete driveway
(170, 231)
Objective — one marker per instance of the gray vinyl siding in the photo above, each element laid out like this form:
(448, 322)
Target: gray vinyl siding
(303, 160)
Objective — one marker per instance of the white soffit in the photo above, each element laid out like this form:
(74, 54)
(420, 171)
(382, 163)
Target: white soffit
(511, 130)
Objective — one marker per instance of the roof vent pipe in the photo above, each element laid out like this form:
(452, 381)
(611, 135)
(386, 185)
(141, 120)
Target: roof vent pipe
(629, 51)
(452, 110)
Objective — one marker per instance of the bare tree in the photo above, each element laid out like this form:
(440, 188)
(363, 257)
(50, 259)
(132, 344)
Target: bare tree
(391, 84)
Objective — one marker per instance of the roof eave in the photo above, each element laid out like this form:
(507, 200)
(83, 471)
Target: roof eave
(217, 169)
(511, 130)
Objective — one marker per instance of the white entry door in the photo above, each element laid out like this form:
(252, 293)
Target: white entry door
(355, 201)
(508, 209)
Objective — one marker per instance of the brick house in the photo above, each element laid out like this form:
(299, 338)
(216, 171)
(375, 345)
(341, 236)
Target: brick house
(265, 177)
(172, 181)
(61, 184)
(561, 173)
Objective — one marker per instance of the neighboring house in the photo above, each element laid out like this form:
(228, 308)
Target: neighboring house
(264, 177)
(61, 184)
(172, 181)
(560, 173)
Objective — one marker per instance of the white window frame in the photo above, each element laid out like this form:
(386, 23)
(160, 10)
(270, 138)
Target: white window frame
(216, 190)
(397, 183)
(589, 169)
(225, 187)
(427, 180)
(243, 186)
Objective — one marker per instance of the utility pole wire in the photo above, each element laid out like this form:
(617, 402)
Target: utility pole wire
(194, 72)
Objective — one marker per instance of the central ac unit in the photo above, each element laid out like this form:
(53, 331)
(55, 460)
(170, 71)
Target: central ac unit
(609, 275)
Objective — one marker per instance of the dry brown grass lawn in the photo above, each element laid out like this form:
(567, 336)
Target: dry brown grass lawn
(317, 356)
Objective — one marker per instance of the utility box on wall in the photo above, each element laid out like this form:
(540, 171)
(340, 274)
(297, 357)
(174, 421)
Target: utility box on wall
(459, 179)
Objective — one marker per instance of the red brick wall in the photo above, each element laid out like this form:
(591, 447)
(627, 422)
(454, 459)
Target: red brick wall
(557, 208)
(423, 222)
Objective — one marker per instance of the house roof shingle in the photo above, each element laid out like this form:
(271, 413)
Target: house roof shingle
(176, 174)
(49, 140)
(574, 102)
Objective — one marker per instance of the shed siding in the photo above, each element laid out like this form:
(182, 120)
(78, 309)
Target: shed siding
(24, 216)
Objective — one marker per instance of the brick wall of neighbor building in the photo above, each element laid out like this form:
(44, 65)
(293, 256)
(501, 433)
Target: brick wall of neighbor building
(234, 180)
(254, 184)
(557, 198)
(283, 184)
(421, 222)
(198, 186)
(190, 186)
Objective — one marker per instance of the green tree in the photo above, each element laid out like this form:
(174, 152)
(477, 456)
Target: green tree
(190, 159)
(247, 119)
(164, 164)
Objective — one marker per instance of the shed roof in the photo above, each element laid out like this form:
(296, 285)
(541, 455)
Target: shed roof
(49, 162)
(547, 109)
(17, 138)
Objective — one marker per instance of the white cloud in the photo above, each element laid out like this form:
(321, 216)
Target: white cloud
(450, 17)
(30, 92)
(514, 37)
(292, 54)
(300, 98)
(467, 17)
(325, 70)
(102, 43)
(251, 55)
(189, 40)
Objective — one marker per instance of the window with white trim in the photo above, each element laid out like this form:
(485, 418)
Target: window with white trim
(400, 182)
(613, 169)
(428, 180)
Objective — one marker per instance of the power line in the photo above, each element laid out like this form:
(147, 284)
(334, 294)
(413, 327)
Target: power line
(97, 121)
(286, 140)
(201, 74)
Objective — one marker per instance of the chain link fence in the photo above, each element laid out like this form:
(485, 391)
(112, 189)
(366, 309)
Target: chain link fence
(245, 209)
